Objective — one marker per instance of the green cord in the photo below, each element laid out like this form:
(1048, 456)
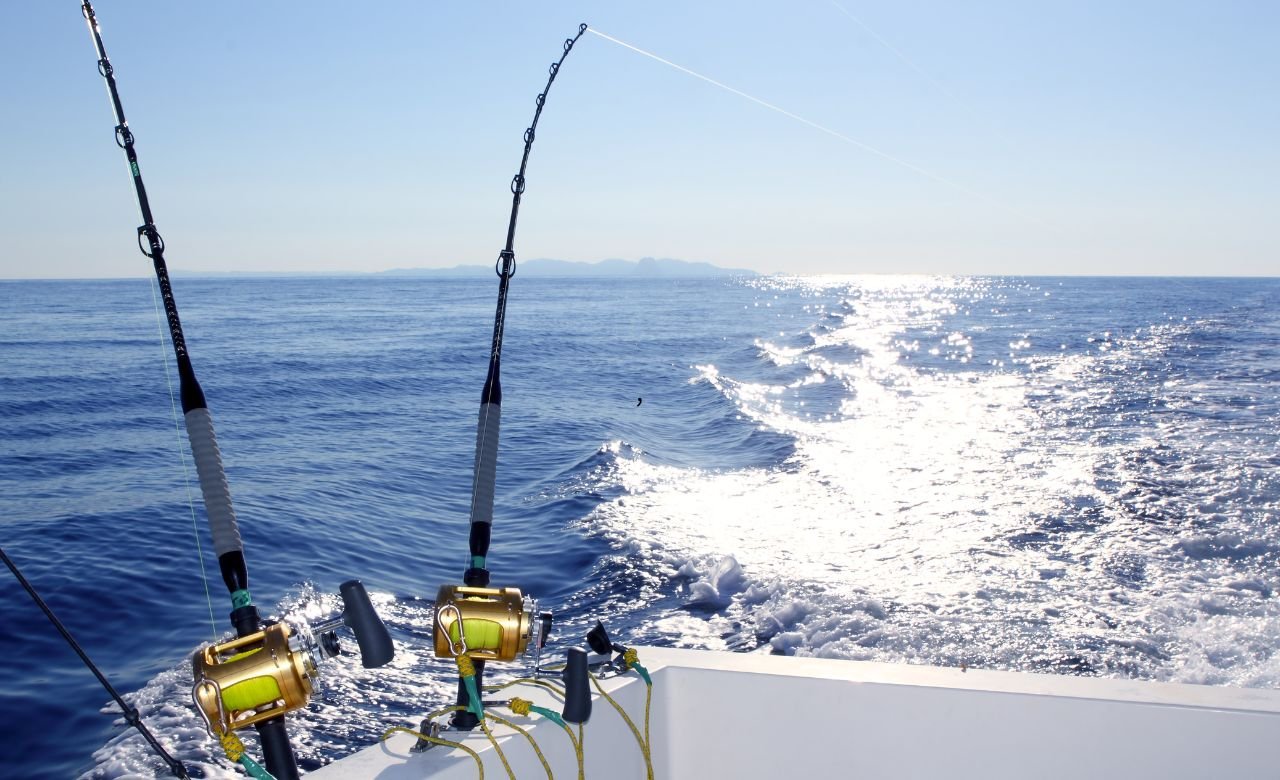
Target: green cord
(254, 769)
(475, 704)
(551, 715)
(643, 673)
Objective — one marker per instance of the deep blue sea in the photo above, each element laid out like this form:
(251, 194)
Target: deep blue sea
(1058, 475)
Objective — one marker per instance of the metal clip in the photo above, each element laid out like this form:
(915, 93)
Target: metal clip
(459, 647)
(224, 725)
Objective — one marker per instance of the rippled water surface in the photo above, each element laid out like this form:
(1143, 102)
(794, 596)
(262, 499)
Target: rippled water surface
(1070, 476)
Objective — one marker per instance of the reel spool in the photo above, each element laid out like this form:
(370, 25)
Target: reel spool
(489, 624)
(273, 671)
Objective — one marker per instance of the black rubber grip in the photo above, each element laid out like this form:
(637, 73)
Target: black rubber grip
(577, 688)
(375, 643)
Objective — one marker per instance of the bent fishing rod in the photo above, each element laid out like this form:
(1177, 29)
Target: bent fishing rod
(131, 715)
(199, 425)
(476, 576)
(486, 462)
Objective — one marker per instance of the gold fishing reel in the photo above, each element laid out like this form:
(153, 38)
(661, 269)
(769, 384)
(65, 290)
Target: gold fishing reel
(273, 671)
(488, 624)
(252, 678)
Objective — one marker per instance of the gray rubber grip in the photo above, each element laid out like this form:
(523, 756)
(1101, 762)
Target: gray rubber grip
(213, 482)
(486, 463)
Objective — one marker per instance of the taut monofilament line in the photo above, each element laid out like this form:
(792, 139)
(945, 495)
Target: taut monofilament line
(802, 120)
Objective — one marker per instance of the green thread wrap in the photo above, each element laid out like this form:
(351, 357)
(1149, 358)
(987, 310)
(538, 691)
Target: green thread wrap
(241, 598)
(477, 561)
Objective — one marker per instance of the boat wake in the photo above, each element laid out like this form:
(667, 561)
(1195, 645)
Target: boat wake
(955, 490)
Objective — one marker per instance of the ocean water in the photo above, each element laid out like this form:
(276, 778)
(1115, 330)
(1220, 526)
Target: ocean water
(1054, 475)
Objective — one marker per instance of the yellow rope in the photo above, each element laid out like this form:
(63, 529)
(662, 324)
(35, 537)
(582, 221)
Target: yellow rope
(541, 758)
(436, 741)
(557, 690)
(641, 741)
(648, 697)
(577, 749)
(232, 746)
(629, 659)
(501, 756)
(580, 746)
(444, 711)
(520, 706)
(465, 667)
(492, 740)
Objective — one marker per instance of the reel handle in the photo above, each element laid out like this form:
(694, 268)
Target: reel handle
(577, 690)
(598, 640)
(376, 647)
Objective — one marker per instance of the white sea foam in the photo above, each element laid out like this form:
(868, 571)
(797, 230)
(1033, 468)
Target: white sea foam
(961, 516)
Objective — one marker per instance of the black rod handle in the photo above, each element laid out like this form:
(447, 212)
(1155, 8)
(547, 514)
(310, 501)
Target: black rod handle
(277, 753)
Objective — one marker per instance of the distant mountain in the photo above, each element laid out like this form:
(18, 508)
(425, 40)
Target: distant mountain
(645, 267)
(184, 273)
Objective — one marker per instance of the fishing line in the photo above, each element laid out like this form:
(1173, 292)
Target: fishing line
(919, 71)
(823, 128)
(991, 126)
(182, 457)
(837, 134)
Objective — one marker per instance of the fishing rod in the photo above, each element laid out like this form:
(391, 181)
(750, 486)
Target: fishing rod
(235, 684)
(199, 424)
(486, 462)
(131, 715)
(195, 410)
(455, 605)
(475, 623)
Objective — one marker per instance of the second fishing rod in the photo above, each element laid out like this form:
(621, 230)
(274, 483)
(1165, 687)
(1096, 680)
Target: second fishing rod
(476, 623)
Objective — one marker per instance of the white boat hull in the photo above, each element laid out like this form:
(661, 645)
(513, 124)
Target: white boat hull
(727, 715)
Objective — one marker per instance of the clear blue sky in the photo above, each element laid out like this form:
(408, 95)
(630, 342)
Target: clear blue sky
(1071, 137)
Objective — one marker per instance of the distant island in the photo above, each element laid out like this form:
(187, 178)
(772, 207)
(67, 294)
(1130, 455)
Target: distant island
(645, 267)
